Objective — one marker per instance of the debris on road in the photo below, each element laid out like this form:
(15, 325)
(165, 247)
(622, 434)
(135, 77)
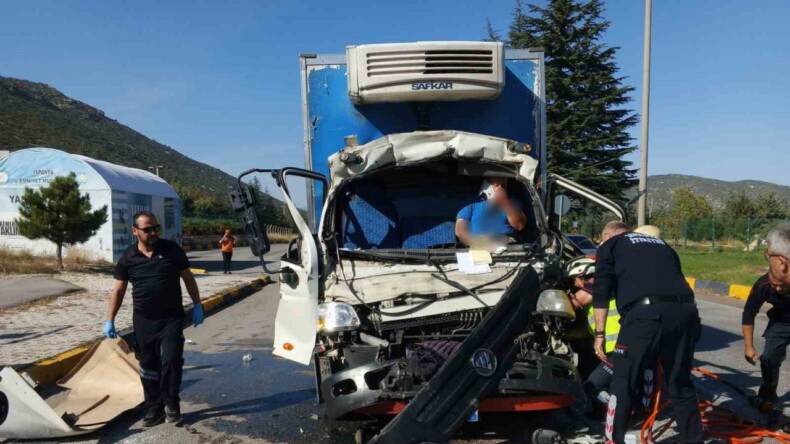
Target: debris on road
(104, 384)
(191, 429)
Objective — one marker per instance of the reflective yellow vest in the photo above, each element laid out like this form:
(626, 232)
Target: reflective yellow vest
(612, 328)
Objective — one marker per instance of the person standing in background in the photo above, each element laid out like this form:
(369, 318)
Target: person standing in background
(226, 243)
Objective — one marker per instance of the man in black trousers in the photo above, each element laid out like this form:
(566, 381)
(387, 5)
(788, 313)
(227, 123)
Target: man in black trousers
(155, 267)
(659, 319)
(773, 288)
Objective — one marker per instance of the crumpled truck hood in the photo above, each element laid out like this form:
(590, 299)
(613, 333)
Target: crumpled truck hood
(407, 148)
(377, 281)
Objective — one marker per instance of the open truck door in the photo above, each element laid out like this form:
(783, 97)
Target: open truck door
(296, 323)
(567, 201)
(558, 184)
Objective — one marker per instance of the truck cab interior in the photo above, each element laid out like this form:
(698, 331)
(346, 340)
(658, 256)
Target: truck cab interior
(416, 207)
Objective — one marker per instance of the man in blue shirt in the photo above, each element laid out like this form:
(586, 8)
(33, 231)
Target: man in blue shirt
(497, 217)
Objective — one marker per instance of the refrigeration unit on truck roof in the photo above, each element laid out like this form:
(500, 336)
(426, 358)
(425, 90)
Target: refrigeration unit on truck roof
(425, 71)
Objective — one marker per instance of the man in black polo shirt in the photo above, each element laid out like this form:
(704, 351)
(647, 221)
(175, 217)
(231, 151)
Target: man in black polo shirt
(659, 318)
(155, 267)
(774, 288)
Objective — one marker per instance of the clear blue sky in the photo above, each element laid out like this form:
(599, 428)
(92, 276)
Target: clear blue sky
(219, 81)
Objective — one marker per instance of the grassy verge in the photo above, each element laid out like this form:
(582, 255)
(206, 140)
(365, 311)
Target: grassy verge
(20, 261)
(732, 266)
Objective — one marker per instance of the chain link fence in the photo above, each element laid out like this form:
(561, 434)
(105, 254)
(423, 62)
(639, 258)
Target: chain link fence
(747, 234)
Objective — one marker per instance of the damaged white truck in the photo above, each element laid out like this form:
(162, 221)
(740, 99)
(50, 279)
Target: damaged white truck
(395, 314)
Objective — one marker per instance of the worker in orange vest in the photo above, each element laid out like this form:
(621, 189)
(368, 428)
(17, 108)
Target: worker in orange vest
(226, 243)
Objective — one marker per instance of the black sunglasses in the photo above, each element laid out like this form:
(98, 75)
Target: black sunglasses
(151, 229)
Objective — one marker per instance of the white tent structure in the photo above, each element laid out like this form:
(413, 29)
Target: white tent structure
(124, 190)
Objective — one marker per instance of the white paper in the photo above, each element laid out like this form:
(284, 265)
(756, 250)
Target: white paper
(468, 266)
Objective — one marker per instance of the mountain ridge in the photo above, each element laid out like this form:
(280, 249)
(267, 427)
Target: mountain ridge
(36, 114)
(716, 190)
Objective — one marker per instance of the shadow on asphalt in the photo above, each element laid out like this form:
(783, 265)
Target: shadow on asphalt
(715, 339)
(737, 385)
(255, 405)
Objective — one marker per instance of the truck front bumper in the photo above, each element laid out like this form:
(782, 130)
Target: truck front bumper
(546, 383)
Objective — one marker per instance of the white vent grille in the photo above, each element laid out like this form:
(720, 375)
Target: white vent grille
(430, 62)
(425, 71)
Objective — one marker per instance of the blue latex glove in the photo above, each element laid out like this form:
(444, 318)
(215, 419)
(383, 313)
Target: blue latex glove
(197, 315)
(109, 330)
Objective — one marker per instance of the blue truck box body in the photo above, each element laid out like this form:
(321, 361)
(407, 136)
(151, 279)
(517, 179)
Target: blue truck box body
(518, 113)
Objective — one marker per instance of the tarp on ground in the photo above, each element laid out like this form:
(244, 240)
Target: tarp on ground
(104, 384)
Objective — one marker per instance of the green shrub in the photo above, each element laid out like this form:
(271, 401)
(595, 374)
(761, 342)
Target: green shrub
(197, 226)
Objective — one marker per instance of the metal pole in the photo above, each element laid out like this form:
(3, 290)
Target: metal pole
(645, 114)
(156, 168)
(748, 232)
(560, 224)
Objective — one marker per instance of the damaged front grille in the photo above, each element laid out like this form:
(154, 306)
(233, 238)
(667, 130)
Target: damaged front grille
(457, 325)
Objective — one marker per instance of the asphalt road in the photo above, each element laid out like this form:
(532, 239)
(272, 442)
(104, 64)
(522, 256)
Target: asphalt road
(16, 291)
(243, 262)
(271, 400)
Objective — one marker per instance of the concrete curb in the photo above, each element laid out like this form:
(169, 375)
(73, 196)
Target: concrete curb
(48, 371)
(732, 290)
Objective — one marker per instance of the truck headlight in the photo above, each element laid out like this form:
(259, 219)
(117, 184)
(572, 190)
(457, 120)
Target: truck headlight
(555, 303)
(337, 316)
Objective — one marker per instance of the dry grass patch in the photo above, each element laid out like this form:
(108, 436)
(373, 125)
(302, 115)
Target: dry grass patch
(22, 261)
(19, 261)
(275, 238)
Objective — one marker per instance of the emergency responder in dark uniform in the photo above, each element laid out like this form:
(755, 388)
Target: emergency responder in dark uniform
(659, 320)
(774, 288)
(155, 267)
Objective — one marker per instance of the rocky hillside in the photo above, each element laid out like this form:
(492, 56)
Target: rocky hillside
(35, 114)
(716, 191)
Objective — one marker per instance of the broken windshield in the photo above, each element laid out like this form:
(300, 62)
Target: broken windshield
(414, 210)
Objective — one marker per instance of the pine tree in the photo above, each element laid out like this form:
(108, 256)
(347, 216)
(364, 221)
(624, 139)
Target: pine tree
(268, 211)
(585, 99)
(738, 206)
(60, 214)
(770, 206)
(493, 34)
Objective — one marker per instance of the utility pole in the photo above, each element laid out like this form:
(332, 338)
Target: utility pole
(155, 169)
(645, 115)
